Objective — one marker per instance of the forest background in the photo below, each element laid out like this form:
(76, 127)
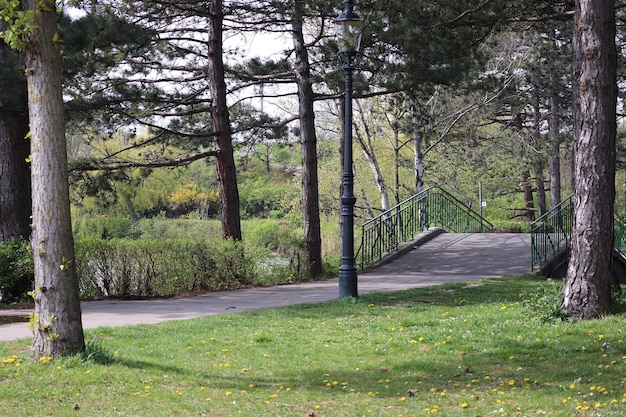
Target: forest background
(461, 95)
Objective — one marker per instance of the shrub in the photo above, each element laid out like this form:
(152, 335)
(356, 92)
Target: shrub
(106, 228)
(544, 303)
(16, 270)
(161, 228)
(276, 235)
(259, 199)
(130, 268)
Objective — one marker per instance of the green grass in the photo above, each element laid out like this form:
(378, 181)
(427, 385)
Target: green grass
(471, 349)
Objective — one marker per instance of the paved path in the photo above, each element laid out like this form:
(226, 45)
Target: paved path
(445, 258)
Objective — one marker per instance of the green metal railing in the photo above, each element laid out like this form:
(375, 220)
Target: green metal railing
(551, 233)
(432, 207)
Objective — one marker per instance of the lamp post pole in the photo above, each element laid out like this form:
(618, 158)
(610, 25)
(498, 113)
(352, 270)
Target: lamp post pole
(347, 24)
(347, 271)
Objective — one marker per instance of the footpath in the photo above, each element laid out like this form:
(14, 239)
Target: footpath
(444, 258)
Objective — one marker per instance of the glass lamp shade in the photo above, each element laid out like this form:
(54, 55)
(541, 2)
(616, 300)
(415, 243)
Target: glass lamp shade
(348, 31)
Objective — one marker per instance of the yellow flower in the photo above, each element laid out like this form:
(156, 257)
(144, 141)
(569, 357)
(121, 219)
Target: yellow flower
(464, 404)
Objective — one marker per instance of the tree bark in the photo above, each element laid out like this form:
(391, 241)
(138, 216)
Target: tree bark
(528, 196)
(56, 322)
(541, 189)
(538, 159)
(418, 155)
(367, 145)
(220, 115)
(554, 139)
(15, 198)
(554, 161)
(308, 145)
(587, 290)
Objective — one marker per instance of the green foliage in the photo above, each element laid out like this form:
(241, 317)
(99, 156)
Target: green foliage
(543, 303)
(275, 235)
(16, 270)
(105, 227)
(162, 228)
(511, 226)
(258, 197)
(19, 24)
(125, 268)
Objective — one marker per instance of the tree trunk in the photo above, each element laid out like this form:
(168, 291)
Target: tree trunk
(418, 155)
(367, 146)
(56, 323)
(554, 161)
(528, 196)
(554, 139)
(587, 290)
(15, 198)
(541, 189)
(538, 159)
(396, 166)
(225, 161)
(308, 146)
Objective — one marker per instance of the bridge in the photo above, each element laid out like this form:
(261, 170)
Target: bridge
(438, 257)
(470, 247)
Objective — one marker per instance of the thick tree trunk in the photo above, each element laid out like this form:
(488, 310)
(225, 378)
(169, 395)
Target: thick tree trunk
(587, 290)
(15, 198)
(308, 146)
(57, 318)
(226, 172)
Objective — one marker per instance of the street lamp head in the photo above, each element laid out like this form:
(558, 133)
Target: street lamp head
(348, 29)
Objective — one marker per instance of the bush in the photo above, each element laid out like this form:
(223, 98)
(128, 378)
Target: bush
(511, 226)
(131, 268)
(259, 199)
(161, 228)
(276, 235)
(544, 303)
(105, 228)
(16, 270)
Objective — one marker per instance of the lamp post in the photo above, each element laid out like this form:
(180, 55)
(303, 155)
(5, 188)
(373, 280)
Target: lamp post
(348, 32)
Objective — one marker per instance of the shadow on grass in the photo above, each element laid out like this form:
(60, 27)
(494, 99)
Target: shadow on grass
(486, 291)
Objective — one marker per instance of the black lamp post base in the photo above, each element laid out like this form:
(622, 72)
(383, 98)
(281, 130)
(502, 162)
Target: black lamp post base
(348, 282)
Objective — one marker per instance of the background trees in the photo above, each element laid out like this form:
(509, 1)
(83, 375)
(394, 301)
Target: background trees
(14, 147)
(173, 109)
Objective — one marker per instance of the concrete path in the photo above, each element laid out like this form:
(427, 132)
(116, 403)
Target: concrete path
(445, 258)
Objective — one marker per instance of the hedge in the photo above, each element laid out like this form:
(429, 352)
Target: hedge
(137, 268)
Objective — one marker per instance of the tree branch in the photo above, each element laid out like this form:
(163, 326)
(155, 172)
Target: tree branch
(178, 162)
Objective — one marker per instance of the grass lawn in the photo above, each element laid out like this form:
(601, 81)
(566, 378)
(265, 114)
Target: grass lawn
(473, 349)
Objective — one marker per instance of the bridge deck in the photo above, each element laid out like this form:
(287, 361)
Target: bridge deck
(452, 257)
